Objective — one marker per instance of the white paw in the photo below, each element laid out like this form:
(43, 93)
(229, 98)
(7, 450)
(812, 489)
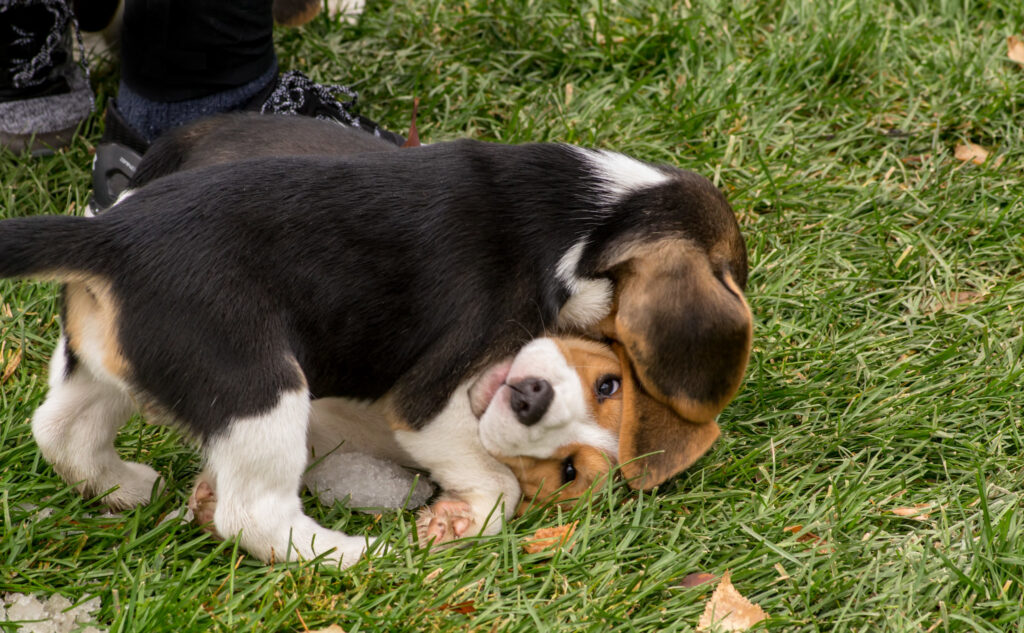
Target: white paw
(443, 521)
(133, 486)
(337, 548)
(350, 9)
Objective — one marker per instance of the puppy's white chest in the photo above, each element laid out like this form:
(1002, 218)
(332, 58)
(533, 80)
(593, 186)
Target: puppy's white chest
(589, 301)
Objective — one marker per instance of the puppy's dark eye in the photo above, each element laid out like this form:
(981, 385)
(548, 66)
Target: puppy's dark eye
(568, 470)
(607, 386)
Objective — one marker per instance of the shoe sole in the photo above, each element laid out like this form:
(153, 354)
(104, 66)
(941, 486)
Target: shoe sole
(41, 144)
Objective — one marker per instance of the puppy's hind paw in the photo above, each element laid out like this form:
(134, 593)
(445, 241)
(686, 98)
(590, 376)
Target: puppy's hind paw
(203, 505)
(444, 521)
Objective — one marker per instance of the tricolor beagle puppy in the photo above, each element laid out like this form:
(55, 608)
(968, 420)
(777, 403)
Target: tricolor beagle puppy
(227, 297)
(552, 413)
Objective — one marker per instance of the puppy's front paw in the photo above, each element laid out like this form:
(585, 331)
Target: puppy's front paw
(443, 521)
(203, 504)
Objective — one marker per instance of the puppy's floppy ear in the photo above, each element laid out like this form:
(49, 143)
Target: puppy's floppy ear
(684, 323)
(295, 12)
(656, 444)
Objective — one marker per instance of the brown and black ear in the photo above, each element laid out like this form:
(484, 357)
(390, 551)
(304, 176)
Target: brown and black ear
(685, 324)
(295, 12)
(656, 444)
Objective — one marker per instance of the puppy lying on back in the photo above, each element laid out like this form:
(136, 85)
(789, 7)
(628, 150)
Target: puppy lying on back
(228, 296)
(574, 444)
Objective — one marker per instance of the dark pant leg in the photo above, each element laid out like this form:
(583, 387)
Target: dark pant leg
(174, 50)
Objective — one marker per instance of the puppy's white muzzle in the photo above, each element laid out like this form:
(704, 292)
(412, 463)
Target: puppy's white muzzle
(540, 407)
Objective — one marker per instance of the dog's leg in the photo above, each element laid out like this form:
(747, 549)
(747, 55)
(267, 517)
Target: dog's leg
(75, 429)
(256, 466)
(479, 491)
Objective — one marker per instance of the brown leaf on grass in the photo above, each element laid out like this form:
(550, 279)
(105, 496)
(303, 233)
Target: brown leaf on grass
(810, 537)
(334, 628)
(803, 538)
(969, 151)
(952, 300)
(1015, 49)
(12, 364)
(616, 39)
(974, 153)
(433, 575)
(917, 159)
(919, 512)
(465, 608)
(728, 610)
(414, 134)
(696, 579)
(549, 538)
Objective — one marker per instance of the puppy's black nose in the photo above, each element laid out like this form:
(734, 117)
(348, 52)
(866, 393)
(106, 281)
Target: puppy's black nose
(530, 399)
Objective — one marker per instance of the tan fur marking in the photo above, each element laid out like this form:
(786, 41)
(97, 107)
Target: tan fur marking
(91, 327)
(541, 479)
(592, 361)
(288, 14)
(395, 421)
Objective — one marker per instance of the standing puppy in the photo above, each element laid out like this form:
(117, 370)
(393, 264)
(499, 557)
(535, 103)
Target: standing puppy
(229, 296)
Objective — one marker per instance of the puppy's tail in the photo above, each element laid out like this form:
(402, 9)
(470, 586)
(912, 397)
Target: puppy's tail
(50, 247)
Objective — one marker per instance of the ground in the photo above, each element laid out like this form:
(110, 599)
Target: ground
(868, 475)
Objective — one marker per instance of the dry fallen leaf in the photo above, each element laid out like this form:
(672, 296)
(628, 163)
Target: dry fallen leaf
(549, 538)
(616, 39)
(12, 364)
(803, 538)
(782, 571)
(334, 628)
(414, 134)
(916, 159)
(918, 512)
(1015, 49)
(465, 608)
(952, 300)
(809, 537)
(727, 610)
(696, 579)
(433, 575)
(974, 153)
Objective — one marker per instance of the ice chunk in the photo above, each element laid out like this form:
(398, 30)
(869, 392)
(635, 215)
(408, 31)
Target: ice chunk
(55, 615)
(30, 612)
(367, 482)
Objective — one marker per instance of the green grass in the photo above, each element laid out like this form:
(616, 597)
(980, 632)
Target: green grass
(875, 383)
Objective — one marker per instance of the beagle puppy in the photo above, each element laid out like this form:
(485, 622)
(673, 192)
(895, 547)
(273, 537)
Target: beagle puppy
(568, 390)
(229, 296)
(552, 413)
